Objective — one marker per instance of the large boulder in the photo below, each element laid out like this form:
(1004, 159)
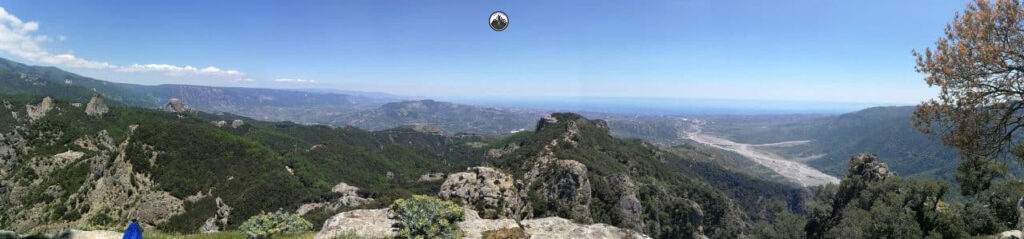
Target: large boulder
(474, 226)
(492, 192)
(366, 223)
(869, 168)
(1012, 234)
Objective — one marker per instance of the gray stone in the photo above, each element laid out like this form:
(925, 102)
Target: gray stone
(490, 191)
(367, 223)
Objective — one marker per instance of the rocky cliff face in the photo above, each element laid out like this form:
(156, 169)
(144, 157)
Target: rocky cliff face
(89, 181)
(572, 168)
(495, 194)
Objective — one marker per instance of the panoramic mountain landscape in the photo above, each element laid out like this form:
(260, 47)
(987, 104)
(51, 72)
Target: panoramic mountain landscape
(319, 120)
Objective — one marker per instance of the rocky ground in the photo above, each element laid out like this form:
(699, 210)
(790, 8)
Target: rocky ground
(378, 223)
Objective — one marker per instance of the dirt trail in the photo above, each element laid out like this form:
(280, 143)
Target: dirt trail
(794, 171)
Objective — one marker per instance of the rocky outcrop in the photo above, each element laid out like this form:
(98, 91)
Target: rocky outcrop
(220, 218)
(348, 196)
(39, 111)
(379, 223)
(175, 105)
(110, 187)
(629, 207)
(564, 182)
(96, 107)
(869, 168)
(237, 123)
(1012, 234)
(490, 191)
(375, 223)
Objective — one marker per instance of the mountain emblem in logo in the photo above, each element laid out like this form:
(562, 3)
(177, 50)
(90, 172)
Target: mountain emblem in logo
(498, 21)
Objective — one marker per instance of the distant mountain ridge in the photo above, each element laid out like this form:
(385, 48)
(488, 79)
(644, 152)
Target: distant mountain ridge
(266, 104)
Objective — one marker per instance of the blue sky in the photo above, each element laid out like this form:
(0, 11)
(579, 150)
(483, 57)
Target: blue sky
(840, 51)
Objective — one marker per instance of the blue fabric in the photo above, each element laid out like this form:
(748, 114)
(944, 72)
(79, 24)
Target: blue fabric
(133, 231)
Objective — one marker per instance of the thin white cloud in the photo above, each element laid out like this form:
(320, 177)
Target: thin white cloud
(295, 80)
(17, 38)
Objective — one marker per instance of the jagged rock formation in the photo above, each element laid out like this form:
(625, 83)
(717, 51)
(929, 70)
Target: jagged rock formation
(494, 193)
(572, 168)
(378, 223)
(348, 196)
(97, 106)
(175, 105)
(220, 218)
(38, 111)
(101, 183)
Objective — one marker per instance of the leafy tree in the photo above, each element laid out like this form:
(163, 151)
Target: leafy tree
(978, 66)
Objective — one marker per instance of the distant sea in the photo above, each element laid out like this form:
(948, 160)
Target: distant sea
(667, 106)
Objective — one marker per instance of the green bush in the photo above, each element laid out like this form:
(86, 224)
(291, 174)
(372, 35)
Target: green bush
(266, 225)
(428, 217)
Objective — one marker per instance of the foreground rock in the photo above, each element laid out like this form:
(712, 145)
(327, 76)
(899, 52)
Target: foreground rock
(77, 234)
(377, 223)
(474, 226)
(555, 227)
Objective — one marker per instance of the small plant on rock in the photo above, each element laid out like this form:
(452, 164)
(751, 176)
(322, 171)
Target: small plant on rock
(266, 225)
(428, 217)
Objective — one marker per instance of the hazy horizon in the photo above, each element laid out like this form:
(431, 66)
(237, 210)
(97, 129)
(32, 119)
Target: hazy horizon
(803, 51)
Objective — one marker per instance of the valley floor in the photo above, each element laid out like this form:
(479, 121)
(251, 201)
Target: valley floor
(791, 169)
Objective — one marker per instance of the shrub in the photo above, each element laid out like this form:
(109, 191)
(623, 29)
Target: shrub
(428, 217)
(266, 225)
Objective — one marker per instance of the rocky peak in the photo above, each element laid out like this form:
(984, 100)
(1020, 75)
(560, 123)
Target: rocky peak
(869, 168)
(97, 106)
(175, 105)
(40, 110)
(570, 122)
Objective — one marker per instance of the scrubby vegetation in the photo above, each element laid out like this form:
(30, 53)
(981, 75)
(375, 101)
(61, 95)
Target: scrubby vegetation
(428, 217)
(266, 225)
